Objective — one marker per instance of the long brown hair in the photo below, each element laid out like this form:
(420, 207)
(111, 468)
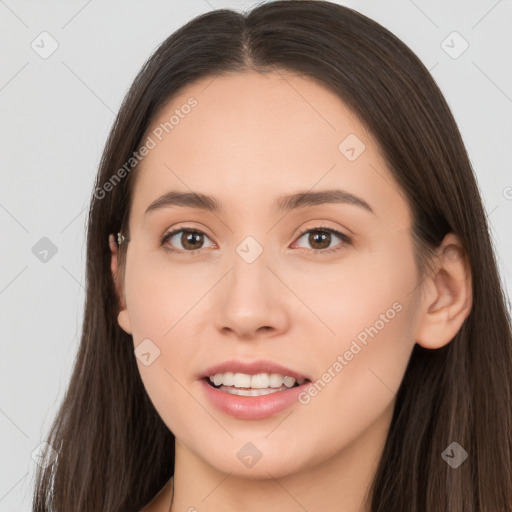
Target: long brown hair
(114, 451)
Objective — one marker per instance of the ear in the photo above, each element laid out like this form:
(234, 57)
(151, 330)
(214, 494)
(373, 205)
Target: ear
(447, 298)
(123, 318)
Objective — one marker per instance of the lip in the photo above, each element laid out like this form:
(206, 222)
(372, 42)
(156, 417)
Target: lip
(252, 368)
(252, 407)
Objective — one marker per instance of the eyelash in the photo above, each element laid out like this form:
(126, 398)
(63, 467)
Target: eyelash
(318, 252)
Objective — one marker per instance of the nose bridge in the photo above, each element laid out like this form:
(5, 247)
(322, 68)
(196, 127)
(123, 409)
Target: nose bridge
(250, 277)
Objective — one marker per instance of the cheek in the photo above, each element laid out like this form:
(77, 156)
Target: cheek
(359, 373)
(166, 314)
(371, 312)
(358, 381)
(160, 294)
(362, 293)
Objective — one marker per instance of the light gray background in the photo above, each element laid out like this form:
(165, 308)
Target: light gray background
(55, 116)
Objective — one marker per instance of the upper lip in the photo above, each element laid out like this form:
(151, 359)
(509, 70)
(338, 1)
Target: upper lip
(252, 368)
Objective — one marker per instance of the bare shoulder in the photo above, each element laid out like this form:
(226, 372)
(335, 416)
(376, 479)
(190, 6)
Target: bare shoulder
(160, 503)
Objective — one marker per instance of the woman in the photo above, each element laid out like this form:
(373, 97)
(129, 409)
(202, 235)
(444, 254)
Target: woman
(292, 298)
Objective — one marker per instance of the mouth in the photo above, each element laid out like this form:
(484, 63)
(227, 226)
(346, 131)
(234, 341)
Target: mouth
(253, 385)
(260, 393)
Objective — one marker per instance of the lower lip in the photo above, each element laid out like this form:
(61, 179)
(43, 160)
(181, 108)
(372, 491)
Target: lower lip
(252, 407)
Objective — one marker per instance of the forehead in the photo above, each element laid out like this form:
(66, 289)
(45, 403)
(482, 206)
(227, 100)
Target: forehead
(273, 111)
(249, 137)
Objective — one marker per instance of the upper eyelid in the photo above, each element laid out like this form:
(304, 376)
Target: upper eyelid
(329, 229)
(298, 232)
(296, 236)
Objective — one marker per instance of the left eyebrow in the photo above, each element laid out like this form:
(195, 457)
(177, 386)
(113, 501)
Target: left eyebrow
(284, 203)
(303, 199)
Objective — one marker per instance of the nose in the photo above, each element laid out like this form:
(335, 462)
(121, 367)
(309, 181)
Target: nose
(253, 301)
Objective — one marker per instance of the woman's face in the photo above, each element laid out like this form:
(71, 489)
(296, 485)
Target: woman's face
(267, 278)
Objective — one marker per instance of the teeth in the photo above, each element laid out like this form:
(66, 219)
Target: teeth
(258, 381)
(250, 391)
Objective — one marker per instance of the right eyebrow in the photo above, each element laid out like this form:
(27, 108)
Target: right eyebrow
(190, 199)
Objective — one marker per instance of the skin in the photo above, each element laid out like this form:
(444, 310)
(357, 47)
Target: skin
(251, 139)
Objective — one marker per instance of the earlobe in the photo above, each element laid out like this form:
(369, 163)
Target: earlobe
(447, 296)
(123, 318)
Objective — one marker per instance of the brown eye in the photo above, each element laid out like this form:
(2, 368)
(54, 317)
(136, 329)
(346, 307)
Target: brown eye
(190, 240)
(320, 239)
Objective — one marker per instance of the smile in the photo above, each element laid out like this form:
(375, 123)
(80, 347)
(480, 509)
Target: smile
(237, 395)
